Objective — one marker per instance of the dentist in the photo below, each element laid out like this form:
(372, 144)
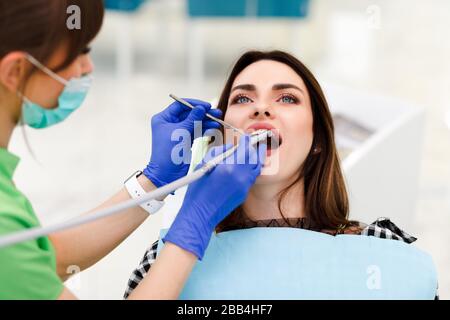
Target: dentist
(45, 73)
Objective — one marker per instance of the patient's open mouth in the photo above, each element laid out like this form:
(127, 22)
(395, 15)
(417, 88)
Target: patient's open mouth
(273, 142)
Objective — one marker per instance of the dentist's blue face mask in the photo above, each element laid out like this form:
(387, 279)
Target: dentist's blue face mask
(71, 98)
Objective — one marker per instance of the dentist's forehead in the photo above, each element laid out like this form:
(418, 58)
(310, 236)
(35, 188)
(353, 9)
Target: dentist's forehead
(264, 74)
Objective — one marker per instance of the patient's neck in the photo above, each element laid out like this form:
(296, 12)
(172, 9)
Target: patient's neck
(262, 201)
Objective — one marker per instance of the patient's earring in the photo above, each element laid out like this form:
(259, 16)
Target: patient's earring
(316, 150)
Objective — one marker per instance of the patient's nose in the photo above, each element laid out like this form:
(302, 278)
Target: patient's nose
(266, 113)
(263, 112)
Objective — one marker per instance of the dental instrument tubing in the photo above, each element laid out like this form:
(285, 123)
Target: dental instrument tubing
(38, 232)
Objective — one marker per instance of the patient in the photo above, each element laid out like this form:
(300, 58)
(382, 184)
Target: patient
(301, 184)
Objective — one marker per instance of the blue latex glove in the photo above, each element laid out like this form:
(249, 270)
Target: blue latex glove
(162, 170)
(210, 199)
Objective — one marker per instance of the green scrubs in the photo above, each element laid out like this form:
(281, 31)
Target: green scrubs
(28, 269)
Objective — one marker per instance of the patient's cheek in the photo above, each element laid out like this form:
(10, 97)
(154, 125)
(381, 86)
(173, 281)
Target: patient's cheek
(231, 137)
(236, 120)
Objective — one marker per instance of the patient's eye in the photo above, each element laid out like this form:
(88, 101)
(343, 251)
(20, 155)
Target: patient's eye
(240, 99)
(288, 98)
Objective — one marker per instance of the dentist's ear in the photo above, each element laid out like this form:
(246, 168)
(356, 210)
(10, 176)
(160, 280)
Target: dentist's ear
(12, 70)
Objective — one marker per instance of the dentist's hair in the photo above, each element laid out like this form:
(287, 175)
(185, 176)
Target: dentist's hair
(39, 27)
(326, 199)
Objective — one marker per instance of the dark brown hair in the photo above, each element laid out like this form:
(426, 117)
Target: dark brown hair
(326, 200)
(39, 27)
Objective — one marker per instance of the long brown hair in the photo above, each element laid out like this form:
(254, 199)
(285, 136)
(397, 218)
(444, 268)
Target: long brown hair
(325, 194)
(39, 27)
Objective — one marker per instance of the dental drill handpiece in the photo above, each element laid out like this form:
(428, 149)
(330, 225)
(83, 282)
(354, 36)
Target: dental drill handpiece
(255, 137)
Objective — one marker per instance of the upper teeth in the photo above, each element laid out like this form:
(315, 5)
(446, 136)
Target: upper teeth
(261, 131)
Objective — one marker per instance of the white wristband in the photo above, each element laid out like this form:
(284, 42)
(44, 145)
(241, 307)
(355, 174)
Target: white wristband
(135, 190)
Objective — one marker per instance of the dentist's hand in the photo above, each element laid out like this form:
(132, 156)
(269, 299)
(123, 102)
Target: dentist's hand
(210, 199)
(162, 169)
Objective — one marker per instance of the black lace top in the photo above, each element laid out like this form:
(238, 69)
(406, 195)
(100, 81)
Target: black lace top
(302, 223)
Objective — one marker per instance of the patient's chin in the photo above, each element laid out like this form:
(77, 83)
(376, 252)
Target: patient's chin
(270, 173)
(265, 180)
(268, 180)
(271, 165)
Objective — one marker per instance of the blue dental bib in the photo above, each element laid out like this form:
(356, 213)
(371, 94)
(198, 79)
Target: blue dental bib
(292, 263)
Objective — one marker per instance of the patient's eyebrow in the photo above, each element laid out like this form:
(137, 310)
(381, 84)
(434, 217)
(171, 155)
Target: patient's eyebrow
(281, 86)
(278, 86)
(247, 87)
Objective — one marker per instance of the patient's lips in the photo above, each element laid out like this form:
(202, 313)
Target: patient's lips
(272, 143)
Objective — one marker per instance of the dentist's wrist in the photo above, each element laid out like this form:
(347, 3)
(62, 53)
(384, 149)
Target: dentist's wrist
(152, 173)
(138, 187)
(148, 185)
